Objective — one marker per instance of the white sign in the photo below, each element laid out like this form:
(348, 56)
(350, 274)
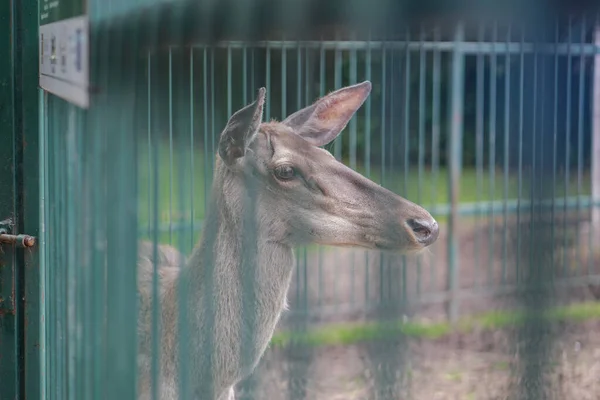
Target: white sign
(63, 61)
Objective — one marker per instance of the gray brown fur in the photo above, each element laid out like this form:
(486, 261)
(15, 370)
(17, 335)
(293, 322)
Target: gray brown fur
(324, 202)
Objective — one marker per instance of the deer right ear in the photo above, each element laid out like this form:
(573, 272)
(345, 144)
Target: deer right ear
(323, 121)
(240, 129)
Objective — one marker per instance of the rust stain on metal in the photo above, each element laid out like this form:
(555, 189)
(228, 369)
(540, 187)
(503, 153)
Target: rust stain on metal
(19, 240)
(29, 241)
(6, 311)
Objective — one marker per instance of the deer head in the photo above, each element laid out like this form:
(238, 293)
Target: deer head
(304, 194)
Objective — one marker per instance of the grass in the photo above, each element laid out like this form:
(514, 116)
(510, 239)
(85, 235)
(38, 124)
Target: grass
(345, 334)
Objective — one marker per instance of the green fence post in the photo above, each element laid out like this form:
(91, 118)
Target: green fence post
(454, 166)
(28, 200)
(9, 335)
(19, 279)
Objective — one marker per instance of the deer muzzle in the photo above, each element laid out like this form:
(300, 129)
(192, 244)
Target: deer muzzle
(425, 231)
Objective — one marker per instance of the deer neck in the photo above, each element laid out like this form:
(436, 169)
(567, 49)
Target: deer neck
(246, 272)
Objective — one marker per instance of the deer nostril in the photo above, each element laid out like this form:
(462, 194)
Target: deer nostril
(425, 231)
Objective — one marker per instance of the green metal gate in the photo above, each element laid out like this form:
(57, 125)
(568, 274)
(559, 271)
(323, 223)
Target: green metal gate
(20, 340)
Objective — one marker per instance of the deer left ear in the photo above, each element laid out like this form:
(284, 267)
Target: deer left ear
(241, 129)
(323, 121)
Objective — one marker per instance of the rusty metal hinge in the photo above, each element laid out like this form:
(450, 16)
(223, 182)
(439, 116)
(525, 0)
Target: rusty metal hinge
(7, 236)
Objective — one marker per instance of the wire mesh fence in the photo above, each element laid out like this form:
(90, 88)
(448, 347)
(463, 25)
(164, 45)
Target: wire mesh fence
(488, 127)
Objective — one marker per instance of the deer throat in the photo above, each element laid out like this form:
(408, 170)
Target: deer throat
(246, 278)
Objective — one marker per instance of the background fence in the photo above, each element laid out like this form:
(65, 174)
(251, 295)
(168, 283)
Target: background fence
(488, 126)
(400, 138)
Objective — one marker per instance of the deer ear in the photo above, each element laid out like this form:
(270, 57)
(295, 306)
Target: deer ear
(323, 121)
(240, 129)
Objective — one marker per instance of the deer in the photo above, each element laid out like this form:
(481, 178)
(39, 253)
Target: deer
(274, 188)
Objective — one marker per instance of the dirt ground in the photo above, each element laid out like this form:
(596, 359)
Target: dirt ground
(472, 366)
(340, 285)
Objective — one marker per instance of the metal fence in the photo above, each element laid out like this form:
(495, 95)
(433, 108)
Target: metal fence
(484, 127)
(400, 139)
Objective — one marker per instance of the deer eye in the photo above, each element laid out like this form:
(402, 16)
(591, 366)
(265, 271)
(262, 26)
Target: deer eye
(285, 172)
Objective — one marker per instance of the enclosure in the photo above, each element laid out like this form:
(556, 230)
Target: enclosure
(490, 122)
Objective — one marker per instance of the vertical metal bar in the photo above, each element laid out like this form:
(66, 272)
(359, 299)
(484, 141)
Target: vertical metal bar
(192, 150)
(298, 107)
(406, 129)
(60, 262)
(268, 83)
(567, 148)
(520, 168)
(53, 284)
(171, 180)
(492, 151)
(82, 273)
(299, 299)
(421, 133)
(406, 144)
(213, 133)
(207, 157)
(321, 94)
(121, 196)
(455, 163)
(555, 143)
(368, 66)
(542, 122)
(337, 74)
(61, 287)
(392, 95)
(298, 77)
(252, 72)
(435, 136)
(51, 275)
(321, 70)
(98, 243)
(245, 74)
(307, 76)
(368, 62)
(337, 144)
(26, 122)
(283, 81)
(182, 290)
(581, 104)
(43, 279)
(229, 106)
(352, 148)
(64, 251)
(421, 155)
(50, 280)
(71, 280)
(506, 159)
(383, 160)
(306, 102)
(352, 124)
(155, 326)
(149, 138)
(479, 114)
(532, 171)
